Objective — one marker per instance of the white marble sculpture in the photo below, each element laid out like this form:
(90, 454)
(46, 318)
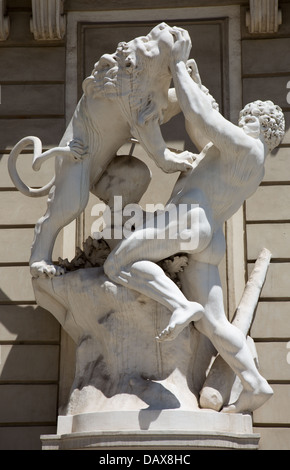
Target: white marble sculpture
(138, 308)
(229, 170)
(122, 95)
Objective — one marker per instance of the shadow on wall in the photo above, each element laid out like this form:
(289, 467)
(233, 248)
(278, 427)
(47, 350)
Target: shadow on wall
(29, 363)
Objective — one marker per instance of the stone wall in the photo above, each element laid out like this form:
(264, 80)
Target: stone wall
(266, 72)
(32, 103)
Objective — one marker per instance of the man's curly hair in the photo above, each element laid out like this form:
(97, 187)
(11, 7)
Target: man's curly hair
(271, 120)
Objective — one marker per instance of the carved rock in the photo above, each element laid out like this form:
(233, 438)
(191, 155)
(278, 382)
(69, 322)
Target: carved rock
(119, 363)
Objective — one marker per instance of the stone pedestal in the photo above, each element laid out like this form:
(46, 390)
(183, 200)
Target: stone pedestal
(131, 391)
(153, 429)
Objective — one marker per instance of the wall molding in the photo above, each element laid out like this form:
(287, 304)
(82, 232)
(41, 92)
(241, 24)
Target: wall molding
(48, 23)
(264, 16)
(4, 22)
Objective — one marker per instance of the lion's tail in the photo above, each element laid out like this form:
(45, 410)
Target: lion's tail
(15, 152)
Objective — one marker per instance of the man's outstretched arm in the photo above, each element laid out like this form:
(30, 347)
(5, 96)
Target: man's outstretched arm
(197, 107)
(197, 137)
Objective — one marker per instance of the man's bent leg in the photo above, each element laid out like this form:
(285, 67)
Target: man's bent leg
(232, 346)
(132, 264)
(202, 281)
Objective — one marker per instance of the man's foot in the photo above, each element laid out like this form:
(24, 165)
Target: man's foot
(44, 269)
(249, 401)
(179, 320)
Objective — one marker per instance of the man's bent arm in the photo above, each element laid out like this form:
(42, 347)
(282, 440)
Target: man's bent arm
(199, 139)
(197, 109)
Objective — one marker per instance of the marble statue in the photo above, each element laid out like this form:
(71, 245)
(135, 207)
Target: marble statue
(229, 170)
(136, 308)
(123, 95)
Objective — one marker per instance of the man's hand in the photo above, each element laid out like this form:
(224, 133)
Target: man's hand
(181, 47)
(177, 161)
(192, 69)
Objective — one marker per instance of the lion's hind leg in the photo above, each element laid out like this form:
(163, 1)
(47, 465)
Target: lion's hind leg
(66, 200)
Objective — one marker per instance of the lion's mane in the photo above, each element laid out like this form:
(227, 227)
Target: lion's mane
(125, 81)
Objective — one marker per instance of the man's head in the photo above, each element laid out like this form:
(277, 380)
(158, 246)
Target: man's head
(266, 118)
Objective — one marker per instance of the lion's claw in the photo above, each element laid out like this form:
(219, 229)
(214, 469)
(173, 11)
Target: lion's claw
(44, 269)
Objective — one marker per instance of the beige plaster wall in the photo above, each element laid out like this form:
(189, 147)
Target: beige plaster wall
(32, 103)
(265, 74)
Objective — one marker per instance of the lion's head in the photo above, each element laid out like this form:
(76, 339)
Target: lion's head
(138, 73)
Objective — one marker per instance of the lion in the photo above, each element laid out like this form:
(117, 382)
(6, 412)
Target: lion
(125, 96)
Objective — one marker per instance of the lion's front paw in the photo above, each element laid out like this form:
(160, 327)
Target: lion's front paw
(179, 161)
(44, 269)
